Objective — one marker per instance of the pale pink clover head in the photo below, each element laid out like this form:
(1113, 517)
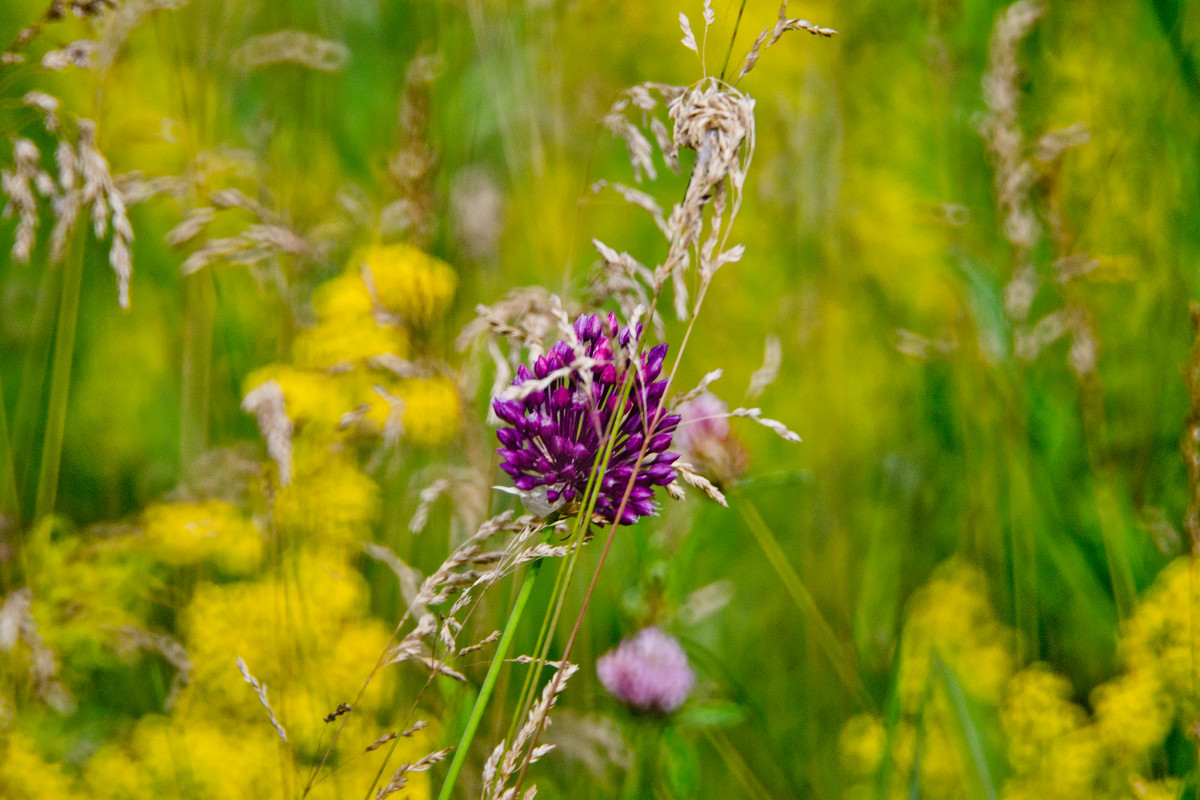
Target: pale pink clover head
(648, 671)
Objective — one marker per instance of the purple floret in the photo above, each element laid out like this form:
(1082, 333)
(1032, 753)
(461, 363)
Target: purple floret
(648, 671)
(554, 435)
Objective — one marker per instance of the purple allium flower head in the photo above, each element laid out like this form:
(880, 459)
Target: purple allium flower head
(649, 671)
(555, 435)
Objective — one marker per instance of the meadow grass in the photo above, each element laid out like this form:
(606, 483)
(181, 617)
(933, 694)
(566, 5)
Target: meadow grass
(970, 228)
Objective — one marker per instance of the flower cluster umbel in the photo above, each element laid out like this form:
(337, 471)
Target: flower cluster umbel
(559, 430)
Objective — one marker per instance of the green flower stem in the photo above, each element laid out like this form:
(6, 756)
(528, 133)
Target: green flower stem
(489, 681)
(842, 661)
(60, 377)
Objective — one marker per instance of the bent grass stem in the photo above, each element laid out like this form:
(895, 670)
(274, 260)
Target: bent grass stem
(842, 661)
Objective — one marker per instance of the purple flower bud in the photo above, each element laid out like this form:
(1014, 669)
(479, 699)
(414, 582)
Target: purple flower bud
(648, 671)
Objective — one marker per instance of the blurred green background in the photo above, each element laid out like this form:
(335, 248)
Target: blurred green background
(876, 253)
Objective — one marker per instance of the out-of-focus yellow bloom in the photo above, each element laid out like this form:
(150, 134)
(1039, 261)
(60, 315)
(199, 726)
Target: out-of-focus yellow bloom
(308, 396)
(275, 625)
(330, 343)
(951, 629)
(329, 499)
(343, 298)
(410, 283)
(861, 744)
(113, 774)
(1056, 751)
(194, 758)
(951, 618)
(188, 533)
(1163, 635)
(25, 776)
(1036, 713)
(347, 330)
(431, 410)
(1133, 715)
(929, 746)
(201, 758)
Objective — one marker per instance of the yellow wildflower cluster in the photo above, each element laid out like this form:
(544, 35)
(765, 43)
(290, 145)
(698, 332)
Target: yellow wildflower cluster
(951, 620)
(347, 330)
(172, 756)
(182, 534)
(1056, 749)
(386, 296)
(300, 620)
(1163, 636)
(329, 499)
(409, 283)
(951, 637)
(25, 775)
(431, 410)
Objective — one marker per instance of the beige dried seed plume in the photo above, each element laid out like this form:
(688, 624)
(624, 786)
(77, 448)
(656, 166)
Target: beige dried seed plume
(1014, 175)
(765, 375)
(291, 47)
(771, 35)
(400, 777)
(18, 625)
(266, 402)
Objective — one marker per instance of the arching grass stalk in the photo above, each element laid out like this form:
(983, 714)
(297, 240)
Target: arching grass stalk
(60, 377)
(842, 661)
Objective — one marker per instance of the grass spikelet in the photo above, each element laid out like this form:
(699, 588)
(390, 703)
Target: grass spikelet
(261, 691)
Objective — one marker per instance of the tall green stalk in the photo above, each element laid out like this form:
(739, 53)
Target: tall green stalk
(60, 377)
(489, 681)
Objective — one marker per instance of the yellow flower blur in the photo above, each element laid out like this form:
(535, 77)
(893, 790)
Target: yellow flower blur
(409, 282)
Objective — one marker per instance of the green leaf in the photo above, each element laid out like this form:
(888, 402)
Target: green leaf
(713, 714)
